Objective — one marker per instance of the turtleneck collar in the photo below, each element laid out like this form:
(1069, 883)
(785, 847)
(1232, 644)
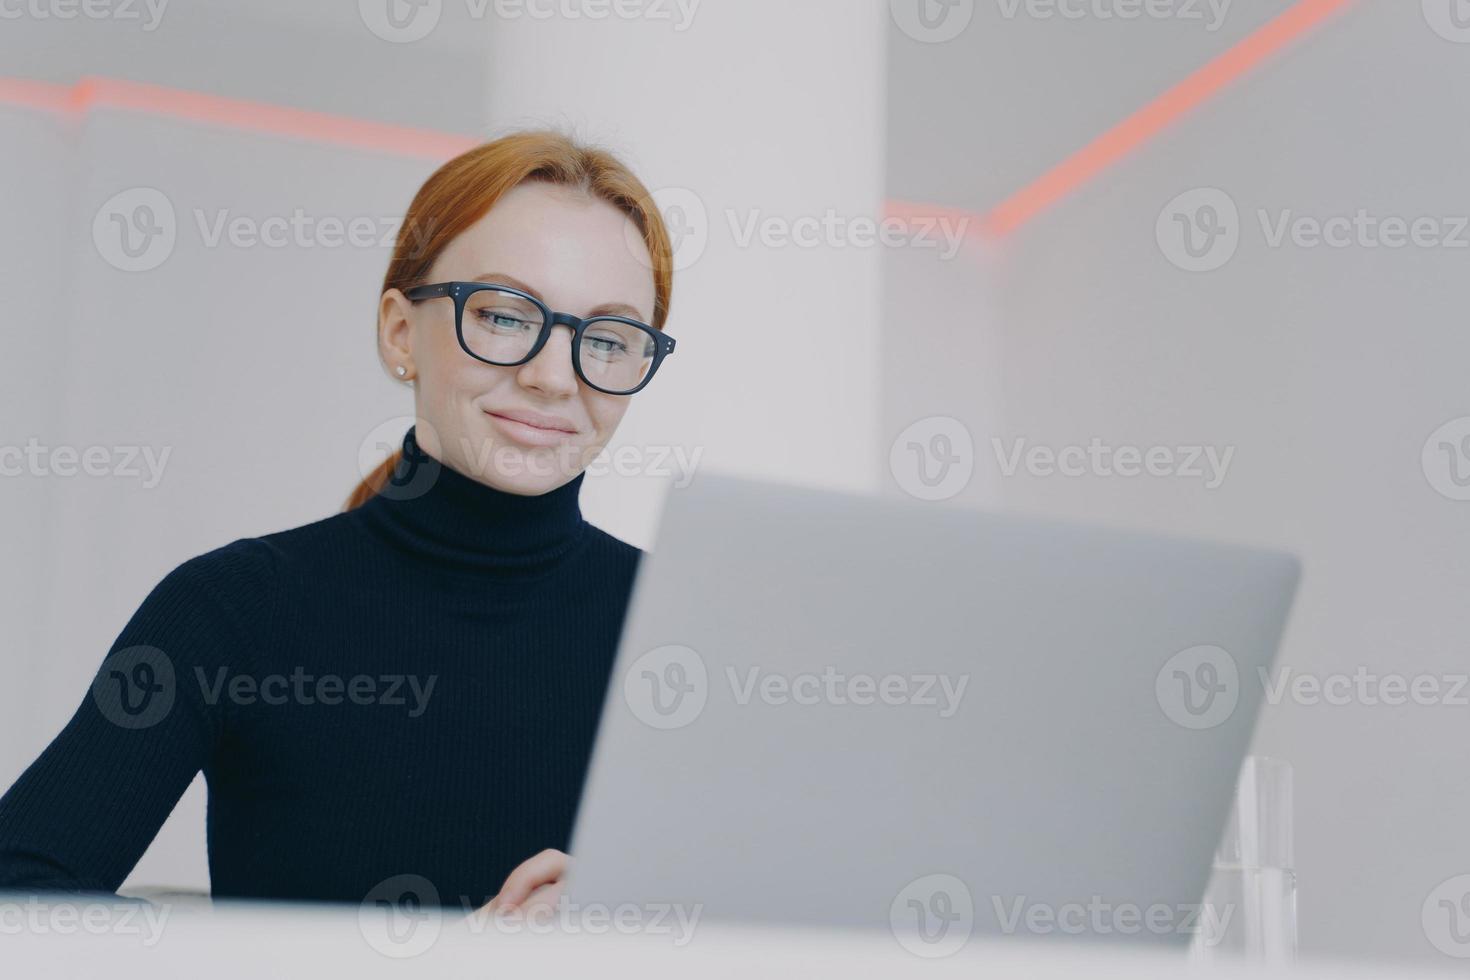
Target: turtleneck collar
(433, 510)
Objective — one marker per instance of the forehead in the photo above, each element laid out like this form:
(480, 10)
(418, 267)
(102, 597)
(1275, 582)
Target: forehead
(575, 251)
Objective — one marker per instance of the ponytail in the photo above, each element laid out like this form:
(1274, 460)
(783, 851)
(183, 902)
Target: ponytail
(373, 482)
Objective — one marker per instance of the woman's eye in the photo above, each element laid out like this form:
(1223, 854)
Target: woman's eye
(504, 321)
(606, 345)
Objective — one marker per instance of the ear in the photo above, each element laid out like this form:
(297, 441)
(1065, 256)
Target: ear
(395, 334)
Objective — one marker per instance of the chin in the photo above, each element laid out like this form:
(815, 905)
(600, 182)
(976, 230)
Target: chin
(525, 484)
(530, 472)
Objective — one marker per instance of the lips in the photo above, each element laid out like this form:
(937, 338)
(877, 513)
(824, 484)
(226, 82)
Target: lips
(550, 423)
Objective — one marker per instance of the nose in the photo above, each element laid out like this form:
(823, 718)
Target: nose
(550, 371)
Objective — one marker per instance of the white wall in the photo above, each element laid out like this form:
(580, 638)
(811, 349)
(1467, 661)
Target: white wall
(35, 182)
(764, 109)
(1326, 369)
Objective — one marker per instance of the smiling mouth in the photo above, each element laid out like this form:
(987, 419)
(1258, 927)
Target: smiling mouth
(545, 427)
(530, 429)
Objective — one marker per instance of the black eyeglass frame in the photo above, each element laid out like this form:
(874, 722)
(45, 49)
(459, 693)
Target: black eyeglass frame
(460, 292)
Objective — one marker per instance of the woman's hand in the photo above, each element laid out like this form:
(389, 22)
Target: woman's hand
(537, 883)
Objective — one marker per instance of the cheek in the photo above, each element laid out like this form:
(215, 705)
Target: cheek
(449, 370)
(437, 356)
(605, 412)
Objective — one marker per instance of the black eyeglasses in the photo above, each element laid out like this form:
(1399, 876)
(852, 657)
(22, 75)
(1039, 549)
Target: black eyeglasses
(613, 354)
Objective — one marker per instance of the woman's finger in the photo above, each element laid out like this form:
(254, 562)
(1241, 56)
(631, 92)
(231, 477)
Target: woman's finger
(546, 896)
(542, 869)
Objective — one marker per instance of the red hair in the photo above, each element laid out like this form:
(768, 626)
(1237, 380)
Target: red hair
(461, 191)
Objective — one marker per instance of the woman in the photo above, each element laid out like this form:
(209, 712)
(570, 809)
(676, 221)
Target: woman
(410, 687)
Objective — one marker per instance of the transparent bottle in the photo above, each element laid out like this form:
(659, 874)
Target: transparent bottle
(1249, 909)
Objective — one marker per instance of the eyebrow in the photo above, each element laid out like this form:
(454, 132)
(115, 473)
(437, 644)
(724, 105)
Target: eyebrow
(604, 309)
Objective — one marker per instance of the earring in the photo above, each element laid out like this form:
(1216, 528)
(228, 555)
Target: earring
(401, 370)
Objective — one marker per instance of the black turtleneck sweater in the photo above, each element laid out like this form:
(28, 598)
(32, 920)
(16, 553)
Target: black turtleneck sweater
(411, 687)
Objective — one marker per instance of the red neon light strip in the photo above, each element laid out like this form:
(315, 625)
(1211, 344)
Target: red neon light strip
(1153, 118)
(213, 110)
(34, 95)
(1015, 211)
(910, 211)
(1144, 124)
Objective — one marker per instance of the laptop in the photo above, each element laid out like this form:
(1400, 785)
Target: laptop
(835, 710)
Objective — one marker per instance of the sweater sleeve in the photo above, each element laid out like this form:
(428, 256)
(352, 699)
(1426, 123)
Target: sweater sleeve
(83, 813)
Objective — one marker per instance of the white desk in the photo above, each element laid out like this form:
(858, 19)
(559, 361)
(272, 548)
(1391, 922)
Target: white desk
(282, 941)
